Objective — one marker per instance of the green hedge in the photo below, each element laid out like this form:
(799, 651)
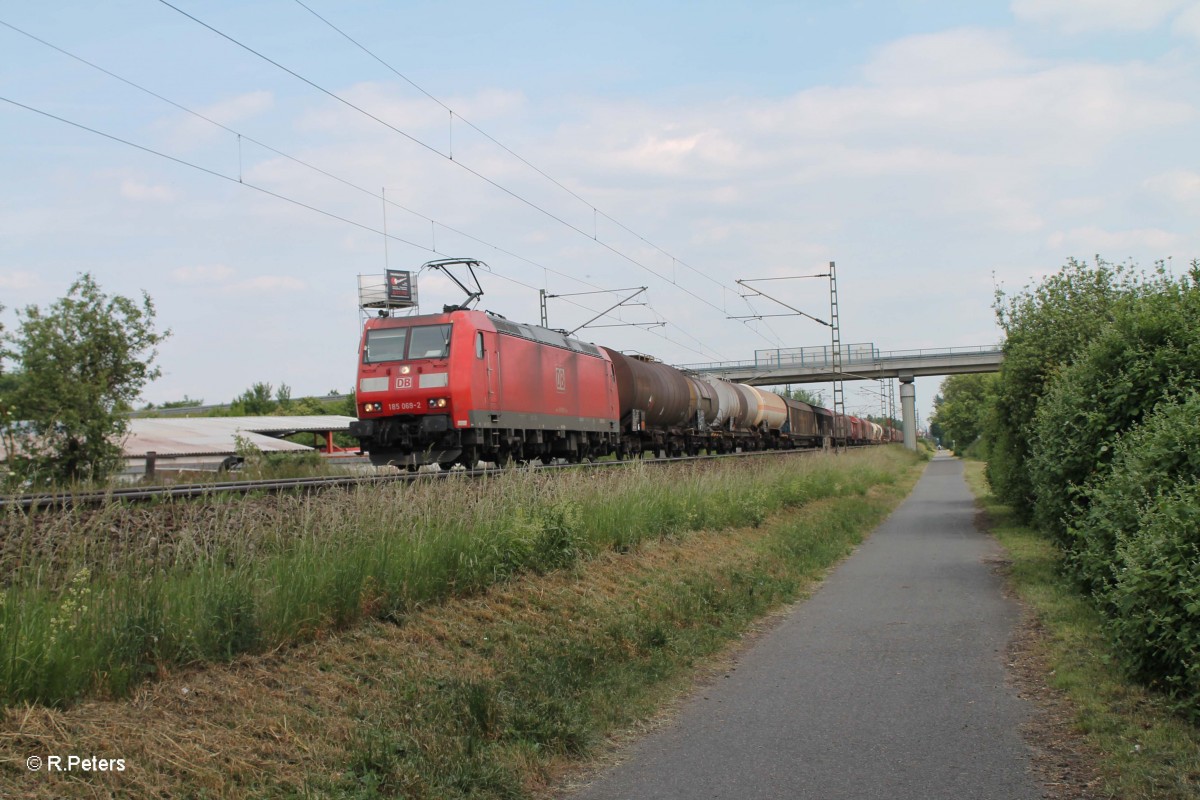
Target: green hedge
(1137, 549)
(1151, 350)
(1155, 599)
(1045, 326)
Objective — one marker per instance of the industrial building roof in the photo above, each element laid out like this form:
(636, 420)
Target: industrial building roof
(215, 435)
(218, 435)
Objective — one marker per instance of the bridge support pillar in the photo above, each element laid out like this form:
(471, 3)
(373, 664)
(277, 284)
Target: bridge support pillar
(908, 410)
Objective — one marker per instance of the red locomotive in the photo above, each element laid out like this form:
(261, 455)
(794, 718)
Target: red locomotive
(465, 386)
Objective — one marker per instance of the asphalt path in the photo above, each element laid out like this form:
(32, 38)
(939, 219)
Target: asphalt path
(887, 683)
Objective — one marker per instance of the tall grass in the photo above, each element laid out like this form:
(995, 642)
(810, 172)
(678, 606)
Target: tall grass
(96, 601)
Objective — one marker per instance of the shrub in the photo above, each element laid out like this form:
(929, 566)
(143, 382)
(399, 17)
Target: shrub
(1045, 326)
(1150, 350)
(1157, 454)
(1155, 598)
(961, 408)
(1136, 549)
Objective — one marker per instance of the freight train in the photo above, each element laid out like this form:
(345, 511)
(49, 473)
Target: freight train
(466, 386)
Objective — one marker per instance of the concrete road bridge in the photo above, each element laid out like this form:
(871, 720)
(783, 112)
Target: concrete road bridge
(858, 362)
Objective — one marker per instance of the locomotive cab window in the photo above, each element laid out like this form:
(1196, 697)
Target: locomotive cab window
(400, 344)
(385, 344)
(479, 344)
(429, 341)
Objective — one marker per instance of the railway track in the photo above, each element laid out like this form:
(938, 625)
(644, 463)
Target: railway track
(50, 500)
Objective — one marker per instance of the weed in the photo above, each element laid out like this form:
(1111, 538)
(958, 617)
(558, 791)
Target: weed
(96, 601)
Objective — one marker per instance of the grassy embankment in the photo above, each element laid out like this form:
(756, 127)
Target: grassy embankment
(1144, 750)
(508, 625)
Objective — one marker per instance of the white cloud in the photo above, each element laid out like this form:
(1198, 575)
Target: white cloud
(135, 190)
(210, 274)
(18, 280)
(1115, 244)
(188, 130)
(978, 144)
(488, 104)
(240, 108)
(1077, 16)
(1182, 186)
(269, 283)
(669, 152)
(1188, 22)
(952, 56)
(220, 276)
(412, 113)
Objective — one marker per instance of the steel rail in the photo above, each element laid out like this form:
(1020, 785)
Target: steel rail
(182, 491)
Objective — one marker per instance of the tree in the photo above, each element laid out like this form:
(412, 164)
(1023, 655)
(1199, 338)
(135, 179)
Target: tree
(8, 385)
(283, 396)
(349, 405)
(1149, 352)
(186, 402)
(962, 409)
(1045, 325)
(79, 365)
(310, 406)
(804, 396)
(255, 401)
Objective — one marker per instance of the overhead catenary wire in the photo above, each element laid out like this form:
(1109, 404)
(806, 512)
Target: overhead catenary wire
(382, 195)
(241, 182)
(201, 168)
(458, 115)
(430, 148)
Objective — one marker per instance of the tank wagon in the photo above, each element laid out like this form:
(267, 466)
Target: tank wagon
(465, 386)
(668, 410)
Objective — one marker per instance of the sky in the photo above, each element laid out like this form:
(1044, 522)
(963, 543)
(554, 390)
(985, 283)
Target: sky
(244, 163)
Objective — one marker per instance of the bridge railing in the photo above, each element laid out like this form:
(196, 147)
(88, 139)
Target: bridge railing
(808, 358)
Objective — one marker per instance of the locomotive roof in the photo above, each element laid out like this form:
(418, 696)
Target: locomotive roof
(523, 330)
(549, 336)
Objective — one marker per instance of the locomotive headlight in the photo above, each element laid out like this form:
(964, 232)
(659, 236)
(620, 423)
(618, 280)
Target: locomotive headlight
(439, 402)
(405, 370)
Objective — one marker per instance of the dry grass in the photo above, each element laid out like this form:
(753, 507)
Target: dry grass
(282, 718)
(310, 720)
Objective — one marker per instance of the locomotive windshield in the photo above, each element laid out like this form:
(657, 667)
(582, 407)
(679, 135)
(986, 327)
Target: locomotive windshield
(429, 341)
(399, 344)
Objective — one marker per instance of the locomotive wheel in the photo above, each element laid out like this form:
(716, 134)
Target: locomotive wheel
(469, 458)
